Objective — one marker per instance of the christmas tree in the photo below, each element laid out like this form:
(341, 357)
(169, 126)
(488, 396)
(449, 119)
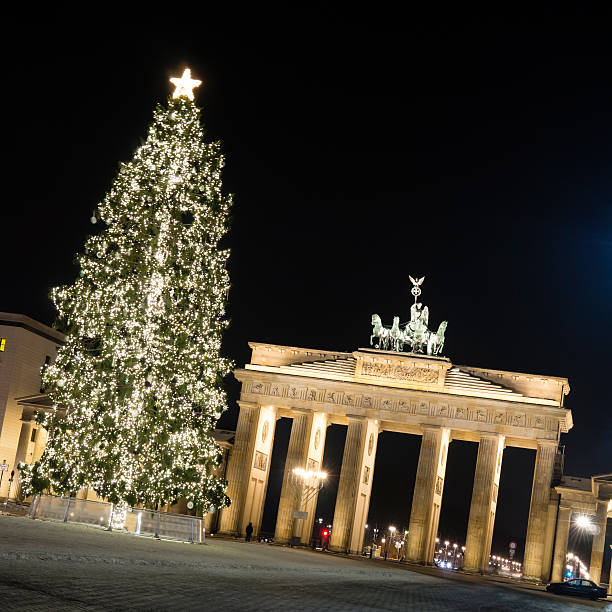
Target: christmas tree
(140, 374)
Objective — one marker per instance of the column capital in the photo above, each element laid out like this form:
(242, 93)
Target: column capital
(302, 411)
(547, 443)
(429, 427)
(245, 404)
(357, 417)
(491, 434)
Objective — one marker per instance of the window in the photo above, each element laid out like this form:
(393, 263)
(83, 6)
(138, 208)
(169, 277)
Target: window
(33, 436)
(2, 343)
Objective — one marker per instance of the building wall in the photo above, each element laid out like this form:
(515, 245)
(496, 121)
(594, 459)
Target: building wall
(27, 345)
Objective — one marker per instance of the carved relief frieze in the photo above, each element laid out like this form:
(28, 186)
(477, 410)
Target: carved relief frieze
(398, 371)
(312, 395)
(439, 485)
(261, 461)
(295, 392)
(350, 399)
(333, 397)
(366, 475)
(479, 415)
(386, 404)
(407, 406)
(258, 387)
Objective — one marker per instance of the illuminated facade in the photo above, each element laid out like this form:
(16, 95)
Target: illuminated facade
(27, 346)
(371, 391)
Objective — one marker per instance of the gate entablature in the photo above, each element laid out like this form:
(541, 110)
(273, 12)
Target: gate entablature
(403, 389)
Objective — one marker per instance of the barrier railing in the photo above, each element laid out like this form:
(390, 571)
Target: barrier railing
(138, 521)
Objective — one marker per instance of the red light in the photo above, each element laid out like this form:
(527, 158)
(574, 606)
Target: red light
(325, 533)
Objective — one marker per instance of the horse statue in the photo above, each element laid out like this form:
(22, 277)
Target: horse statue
(396, 336)
(380, 332)
(415, 334)
(435, 340)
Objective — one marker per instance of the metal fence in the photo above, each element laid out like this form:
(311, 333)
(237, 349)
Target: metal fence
(138, 521)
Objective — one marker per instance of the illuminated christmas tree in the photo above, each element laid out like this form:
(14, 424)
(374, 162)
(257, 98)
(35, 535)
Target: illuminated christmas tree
(140, 374)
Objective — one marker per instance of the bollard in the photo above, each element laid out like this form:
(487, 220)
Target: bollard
(32, 512)
(157, 526)
(203, 532)
(8, 494)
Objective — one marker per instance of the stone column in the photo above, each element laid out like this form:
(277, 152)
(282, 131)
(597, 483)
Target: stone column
(538, 511)
(560, 555)
(599, 541)
(551, 529)
(484, 502)
(248, 468)
(24, 442)
(610, 580)
(427, 497)
(21, 454)
(306, 446)
(355, 486)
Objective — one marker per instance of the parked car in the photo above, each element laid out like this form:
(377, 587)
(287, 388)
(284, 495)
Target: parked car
(577, 586)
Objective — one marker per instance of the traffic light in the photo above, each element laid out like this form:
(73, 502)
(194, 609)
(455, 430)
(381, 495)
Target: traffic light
(325, 538)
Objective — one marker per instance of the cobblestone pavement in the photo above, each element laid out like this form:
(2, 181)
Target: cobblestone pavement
(56, 566)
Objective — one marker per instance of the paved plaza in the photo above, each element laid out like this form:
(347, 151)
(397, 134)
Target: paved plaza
(56, 566)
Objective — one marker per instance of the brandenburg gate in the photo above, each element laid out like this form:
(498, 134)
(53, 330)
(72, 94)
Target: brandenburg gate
(372, 390)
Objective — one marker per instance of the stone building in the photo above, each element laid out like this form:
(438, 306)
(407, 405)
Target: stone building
(25, 347)
(370, 391)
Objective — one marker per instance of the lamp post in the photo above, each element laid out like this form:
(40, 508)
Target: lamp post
(311, 483)
(391, 537)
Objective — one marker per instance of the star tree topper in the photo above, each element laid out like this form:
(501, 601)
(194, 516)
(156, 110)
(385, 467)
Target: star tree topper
(185, 85)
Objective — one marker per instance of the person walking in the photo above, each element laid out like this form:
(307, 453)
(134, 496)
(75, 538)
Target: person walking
(249, 532)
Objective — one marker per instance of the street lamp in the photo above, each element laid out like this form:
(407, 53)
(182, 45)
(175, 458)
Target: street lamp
(311, 482)
(584, 522)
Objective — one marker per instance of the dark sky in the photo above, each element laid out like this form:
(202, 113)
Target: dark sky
(478, 155)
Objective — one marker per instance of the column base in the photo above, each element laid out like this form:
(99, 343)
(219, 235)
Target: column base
(339, 549)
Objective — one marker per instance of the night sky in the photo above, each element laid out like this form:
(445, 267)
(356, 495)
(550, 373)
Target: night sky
(479, 157)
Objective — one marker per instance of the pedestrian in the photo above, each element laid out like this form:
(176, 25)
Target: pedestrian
(249, 532)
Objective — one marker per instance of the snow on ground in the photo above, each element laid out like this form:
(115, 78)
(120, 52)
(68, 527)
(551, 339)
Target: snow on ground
(58, 566)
